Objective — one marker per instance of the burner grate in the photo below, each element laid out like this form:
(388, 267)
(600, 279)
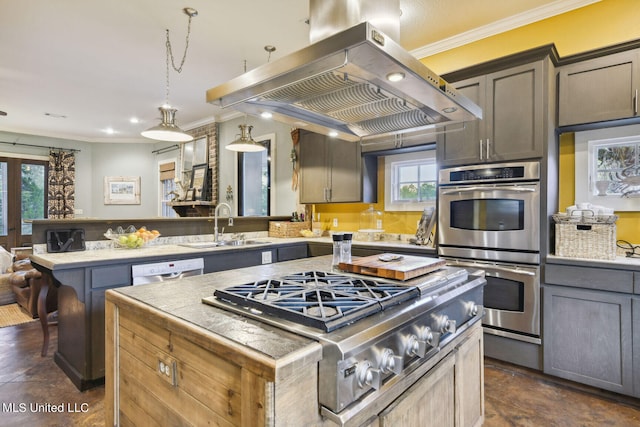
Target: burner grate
(318, 299)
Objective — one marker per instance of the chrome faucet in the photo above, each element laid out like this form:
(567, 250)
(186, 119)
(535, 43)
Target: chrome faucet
(215, 221)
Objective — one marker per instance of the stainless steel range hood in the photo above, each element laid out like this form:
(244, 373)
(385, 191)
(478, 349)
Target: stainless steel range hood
(342, 84)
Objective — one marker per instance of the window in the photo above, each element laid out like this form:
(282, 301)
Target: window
(254, 179)
(608, 167)
(410, 181)
(167, 171)
(23, 197)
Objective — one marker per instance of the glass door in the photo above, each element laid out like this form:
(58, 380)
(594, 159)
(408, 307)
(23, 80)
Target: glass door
(23, 197)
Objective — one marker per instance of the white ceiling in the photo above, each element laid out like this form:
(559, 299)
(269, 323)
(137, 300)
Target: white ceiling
(92, 65)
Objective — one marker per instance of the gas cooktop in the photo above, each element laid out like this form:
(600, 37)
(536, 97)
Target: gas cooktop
(322, 300)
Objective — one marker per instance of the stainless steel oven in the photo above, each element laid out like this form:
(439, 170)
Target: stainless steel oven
(492, 211)
(489, 219)
(511, 298)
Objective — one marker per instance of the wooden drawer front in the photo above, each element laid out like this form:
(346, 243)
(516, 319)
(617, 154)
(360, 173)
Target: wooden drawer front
(431, 398)
(114, 275)
(589, 278)
(204, 386)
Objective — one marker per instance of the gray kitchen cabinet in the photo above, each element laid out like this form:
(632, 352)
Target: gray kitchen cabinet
(330, 169)
(515, 120)
(635, 308)
(599, 89)
(587, 331)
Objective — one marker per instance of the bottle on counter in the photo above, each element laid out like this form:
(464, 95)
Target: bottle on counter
(345, 252)
(337, 251)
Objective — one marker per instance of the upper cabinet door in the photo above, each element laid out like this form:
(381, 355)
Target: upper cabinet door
(461, 143)
(514, 113)
(599, 89)
(514, 120)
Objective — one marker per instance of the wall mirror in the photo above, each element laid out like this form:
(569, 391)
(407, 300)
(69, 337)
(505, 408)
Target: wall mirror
(193, 153)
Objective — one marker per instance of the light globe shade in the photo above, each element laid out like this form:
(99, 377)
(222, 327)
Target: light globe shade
(167, 130)
(245, 142)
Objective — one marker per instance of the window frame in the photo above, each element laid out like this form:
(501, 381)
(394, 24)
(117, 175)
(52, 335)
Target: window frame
(391, 165)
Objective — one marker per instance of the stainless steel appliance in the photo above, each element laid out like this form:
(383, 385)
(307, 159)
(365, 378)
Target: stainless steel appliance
(354, 79)
(490, 219)
(166, 270)
(374, 332)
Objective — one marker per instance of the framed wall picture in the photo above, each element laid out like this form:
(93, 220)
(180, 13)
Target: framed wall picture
(121, 190)
(199, 181)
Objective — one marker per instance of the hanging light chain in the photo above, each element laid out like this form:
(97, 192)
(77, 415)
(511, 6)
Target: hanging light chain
(191, 13)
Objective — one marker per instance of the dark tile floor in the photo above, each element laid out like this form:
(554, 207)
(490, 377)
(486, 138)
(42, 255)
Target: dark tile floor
(32, 388)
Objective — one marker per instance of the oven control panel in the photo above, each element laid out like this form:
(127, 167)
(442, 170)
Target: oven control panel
(515, 171)
(389, 353)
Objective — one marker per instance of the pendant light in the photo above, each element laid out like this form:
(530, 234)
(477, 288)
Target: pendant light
(244, 142)
(168, 130)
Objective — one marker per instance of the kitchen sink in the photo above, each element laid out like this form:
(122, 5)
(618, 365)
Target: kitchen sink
(204, 245)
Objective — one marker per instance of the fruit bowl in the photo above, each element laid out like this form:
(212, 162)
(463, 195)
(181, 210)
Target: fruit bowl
(131, 237)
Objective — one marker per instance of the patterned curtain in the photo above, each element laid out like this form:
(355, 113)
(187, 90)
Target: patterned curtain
(62, 175)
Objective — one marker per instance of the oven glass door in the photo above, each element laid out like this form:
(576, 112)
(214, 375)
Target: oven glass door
(502, 217)
(512, 298)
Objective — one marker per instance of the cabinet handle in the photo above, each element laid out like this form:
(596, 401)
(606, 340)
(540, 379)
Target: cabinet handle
(488, 142)
(481, 153)
(635, 103)
(327, 194)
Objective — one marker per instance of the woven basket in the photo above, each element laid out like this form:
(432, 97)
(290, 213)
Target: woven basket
(592, 237)
(286, 228)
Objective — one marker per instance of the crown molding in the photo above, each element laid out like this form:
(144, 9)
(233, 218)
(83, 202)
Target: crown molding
(501, 26)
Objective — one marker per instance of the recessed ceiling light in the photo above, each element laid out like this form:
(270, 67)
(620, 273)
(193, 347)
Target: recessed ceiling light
(395, 77)
(450, 109)
(333, 133)
(55, 116)
(109, 131)
(266, 115)
(134, 120)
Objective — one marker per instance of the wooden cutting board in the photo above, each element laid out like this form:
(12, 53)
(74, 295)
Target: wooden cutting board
(393, 266)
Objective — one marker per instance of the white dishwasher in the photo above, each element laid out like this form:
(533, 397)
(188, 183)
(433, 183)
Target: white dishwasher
(166, 270)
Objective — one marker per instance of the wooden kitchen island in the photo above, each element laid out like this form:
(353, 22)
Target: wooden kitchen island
(172, 360)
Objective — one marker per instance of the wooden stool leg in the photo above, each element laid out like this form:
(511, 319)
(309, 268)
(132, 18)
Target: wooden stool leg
(42, 312)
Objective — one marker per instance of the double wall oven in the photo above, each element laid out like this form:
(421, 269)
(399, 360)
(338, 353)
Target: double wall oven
(490, 219)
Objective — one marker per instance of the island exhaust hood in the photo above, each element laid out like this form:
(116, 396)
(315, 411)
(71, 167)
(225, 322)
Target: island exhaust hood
(355, 83)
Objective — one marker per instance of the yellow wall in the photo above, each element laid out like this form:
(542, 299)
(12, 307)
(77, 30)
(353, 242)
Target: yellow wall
(605, 23)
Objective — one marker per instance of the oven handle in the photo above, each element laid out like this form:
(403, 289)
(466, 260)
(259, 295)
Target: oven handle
(472, 189)
(494, 267)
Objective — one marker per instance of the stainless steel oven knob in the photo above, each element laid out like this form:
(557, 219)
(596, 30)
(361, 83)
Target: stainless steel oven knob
(473, 309)
(431, 338)
(389, 362)
(446, 325)
(368, 376)
(416, 347)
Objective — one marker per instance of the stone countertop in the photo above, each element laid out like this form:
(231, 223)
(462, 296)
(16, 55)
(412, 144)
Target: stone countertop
(183, 299)
(620, 263)
(66, 260)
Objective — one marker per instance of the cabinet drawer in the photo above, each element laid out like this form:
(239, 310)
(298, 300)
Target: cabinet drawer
(113, 275)
(589, 278)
